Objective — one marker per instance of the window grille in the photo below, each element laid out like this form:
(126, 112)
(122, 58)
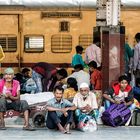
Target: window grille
(61, 43)
(8, 43)
(61, 14)
(85, 40)
(64, 26)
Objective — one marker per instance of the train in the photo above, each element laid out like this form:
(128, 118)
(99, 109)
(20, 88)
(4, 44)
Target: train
(48, 30)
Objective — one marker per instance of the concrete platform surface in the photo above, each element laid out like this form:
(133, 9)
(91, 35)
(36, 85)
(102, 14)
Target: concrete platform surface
(15, 132)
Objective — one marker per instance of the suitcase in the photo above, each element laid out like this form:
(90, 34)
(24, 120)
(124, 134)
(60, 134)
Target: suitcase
(116, 115)
(135, 121)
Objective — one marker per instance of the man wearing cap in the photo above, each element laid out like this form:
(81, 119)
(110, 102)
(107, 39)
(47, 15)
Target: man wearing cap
(10, 99)
(86, 103)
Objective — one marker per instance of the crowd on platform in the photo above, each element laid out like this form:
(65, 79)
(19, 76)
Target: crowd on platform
(78, 97)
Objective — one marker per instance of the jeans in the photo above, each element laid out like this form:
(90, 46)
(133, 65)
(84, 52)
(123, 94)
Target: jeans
(108, 104)
(53, 119)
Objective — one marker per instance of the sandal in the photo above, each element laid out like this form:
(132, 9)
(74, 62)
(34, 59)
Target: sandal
(2, 128)
(28, 128)
(68, 132)
(68, 129)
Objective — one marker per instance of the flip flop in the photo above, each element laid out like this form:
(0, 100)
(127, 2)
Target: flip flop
(64, 132)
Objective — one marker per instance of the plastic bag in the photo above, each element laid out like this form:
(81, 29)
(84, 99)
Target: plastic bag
(87, 124)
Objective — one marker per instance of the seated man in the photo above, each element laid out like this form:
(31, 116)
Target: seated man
(10, 99)
(60, 111)
(120, 92)
(80, 75)
(86, 103)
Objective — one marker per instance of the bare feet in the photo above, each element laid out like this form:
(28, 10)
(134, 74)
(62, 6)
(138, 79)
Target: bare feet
(61, 128)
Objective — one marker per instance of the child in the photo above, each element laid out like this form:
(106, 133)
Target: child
(120, 93)
(77, 58)
(70, 92)
(96, 81)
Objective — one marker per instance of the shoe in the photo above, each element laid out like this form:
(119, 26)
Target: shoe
(28, 128)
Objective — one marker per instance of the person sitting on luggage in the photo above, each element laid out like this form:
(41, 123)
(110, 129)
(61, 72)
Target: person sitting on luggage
(71, 89)
(120, 92)
(28, 85)
(86, 103)
(60, 111)
(10, 99)
(136, 90)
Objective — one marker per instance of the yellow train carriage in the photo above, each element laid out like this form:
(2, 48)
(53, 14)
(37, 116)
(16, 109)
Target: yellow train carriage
(29, 36)
(50, 34)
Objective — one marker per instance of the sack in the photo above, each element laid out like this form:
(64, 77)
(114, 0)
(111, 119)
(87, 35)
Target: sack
(135, 121)
(87, 124)
(116, 115)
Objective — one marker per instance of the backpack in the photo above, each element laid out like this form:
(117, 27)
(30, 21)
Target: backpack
(116, 115)
(135, 121)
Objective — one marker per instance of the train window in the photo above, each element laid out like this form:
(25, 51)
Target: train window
(8, 43)
(85, 40)
(34, 43)
(64, 26)
(61, 43)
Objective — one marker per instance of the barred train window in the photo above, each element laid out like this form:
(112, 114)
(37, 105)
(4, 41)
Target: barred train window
(34, 43)
(61, 43)
(85, 40)
(64, 26)
(8, 43)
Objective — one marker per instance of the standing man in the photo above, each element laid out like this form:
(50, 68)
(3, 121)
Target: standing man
(93, 52)
(136, 67)
(60, 112)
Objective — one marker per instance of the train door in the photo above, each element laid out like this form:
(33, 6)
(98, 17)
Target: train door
(10, 39)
